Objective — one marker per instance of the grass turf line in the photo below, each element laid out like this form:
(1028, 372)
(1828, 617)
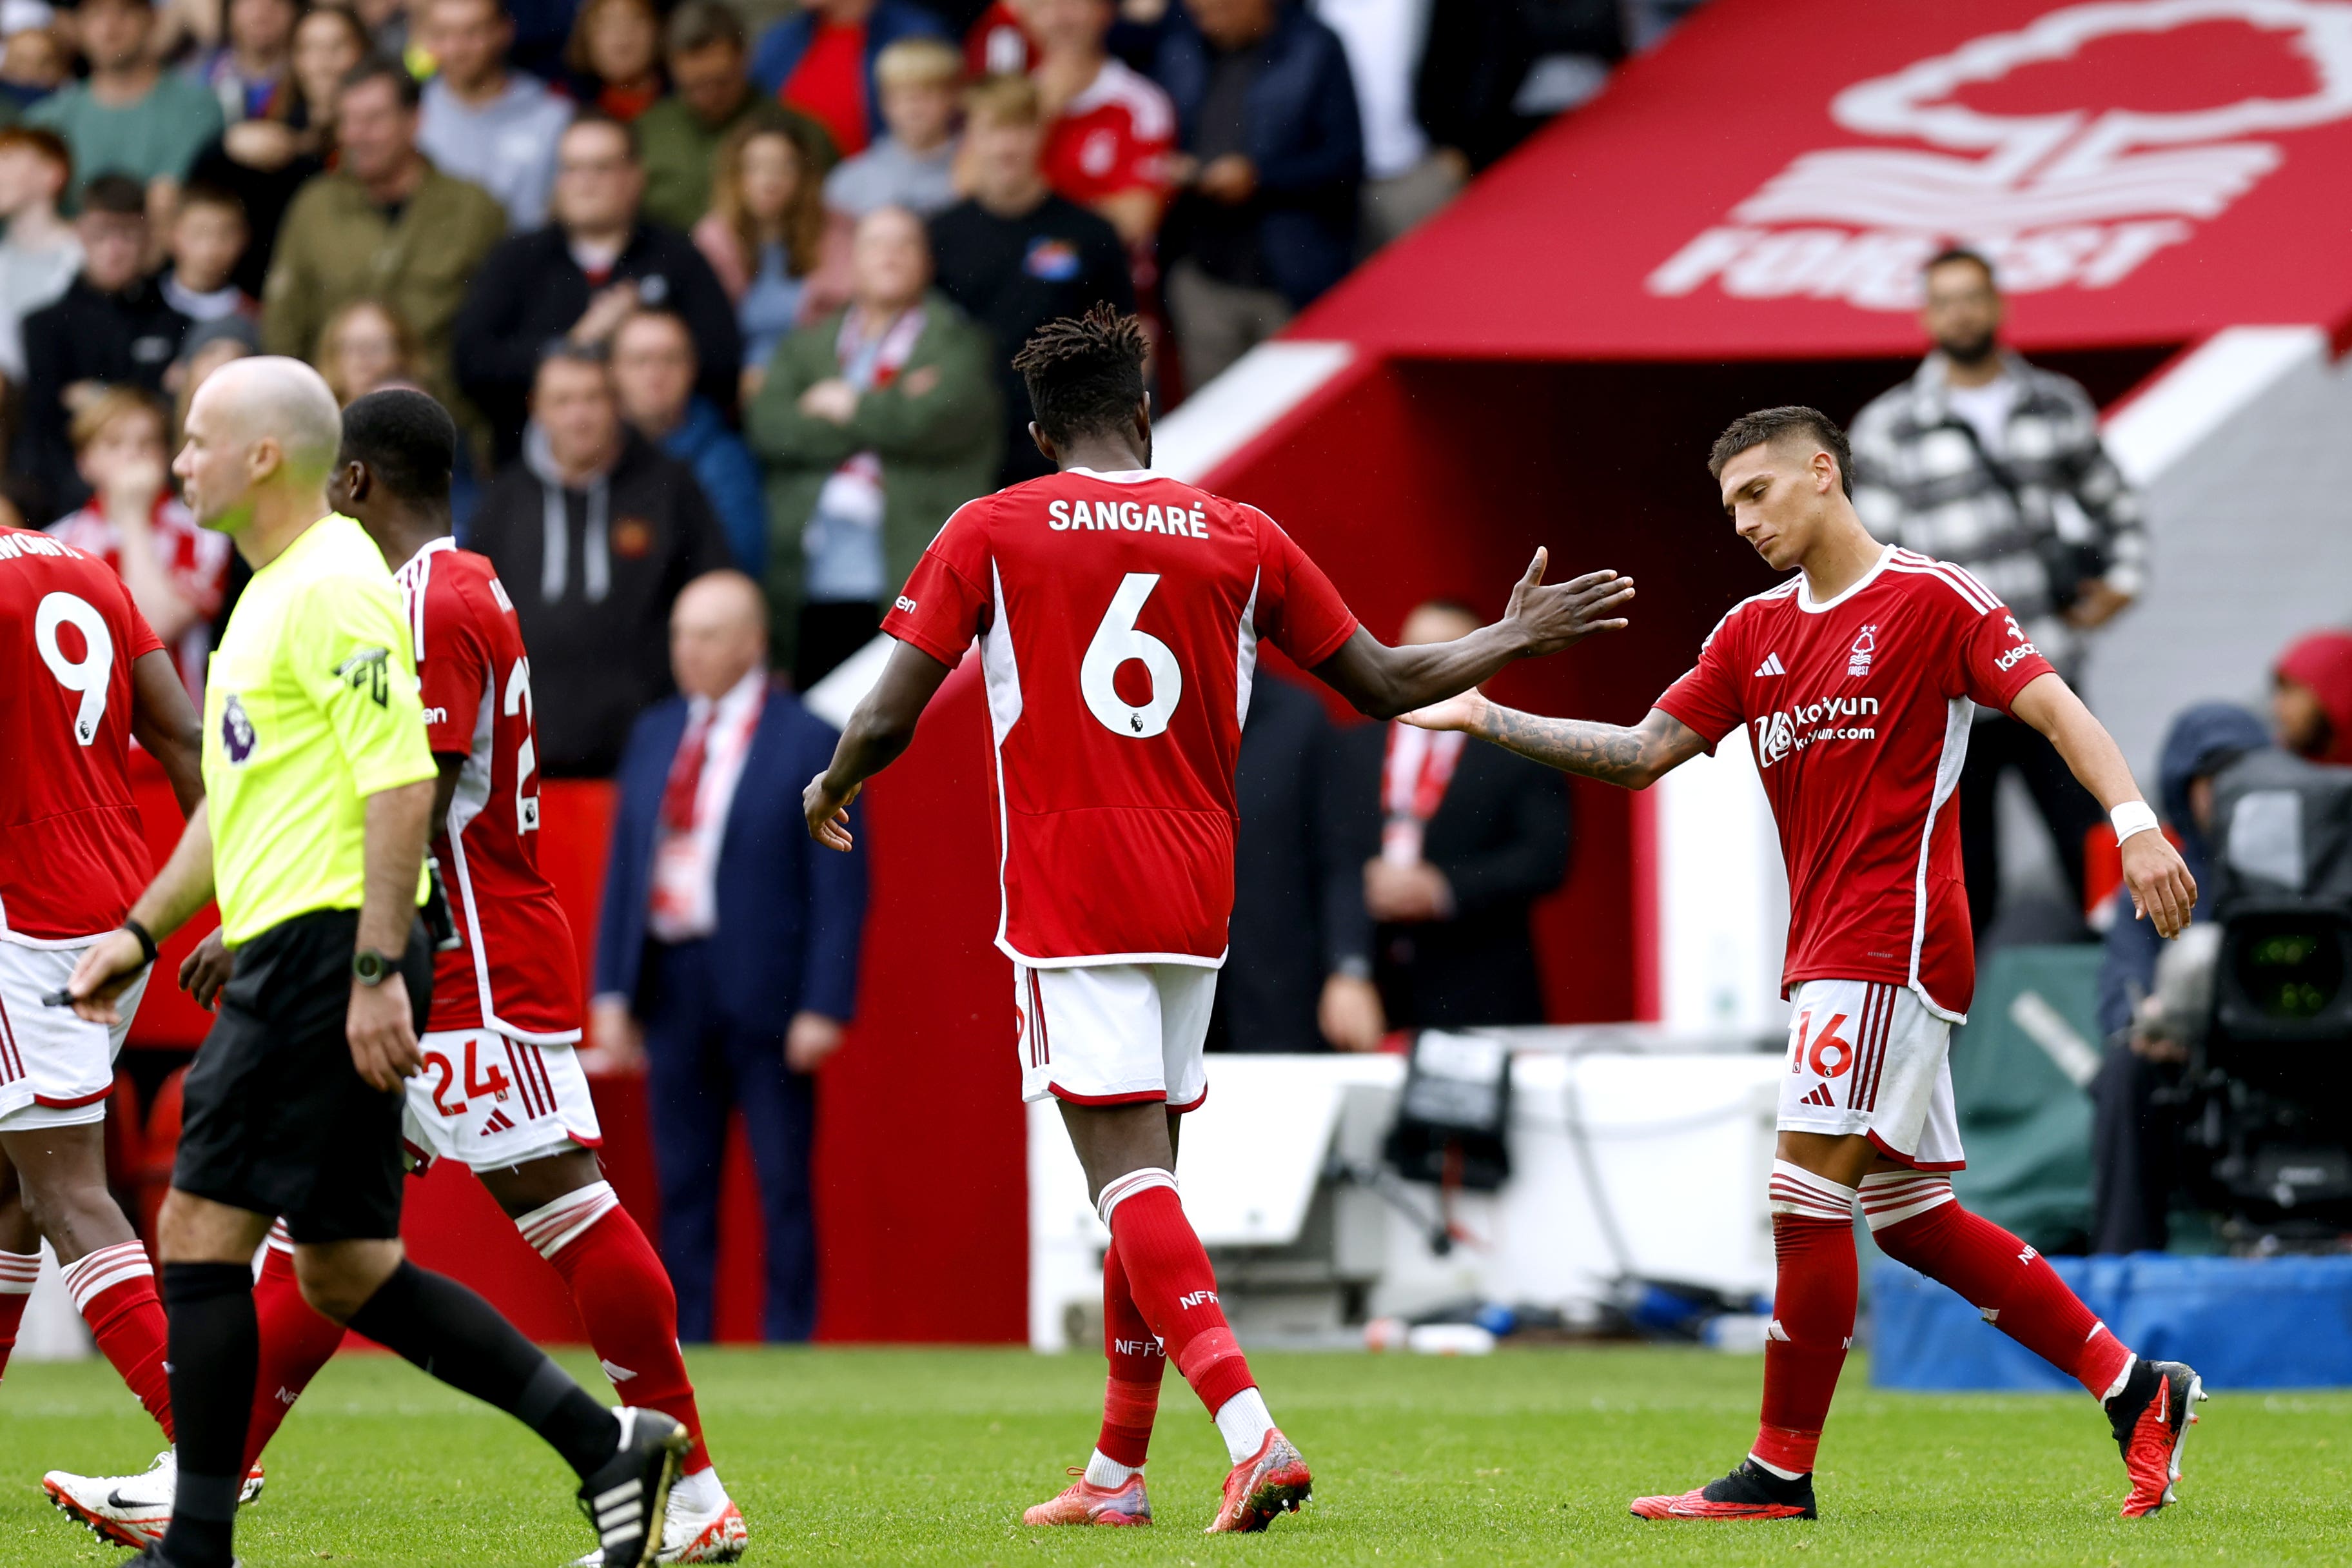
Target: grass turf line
(926, 1456)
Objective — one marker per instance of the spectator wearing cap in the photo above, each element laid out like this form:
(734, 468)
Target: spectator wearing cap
(769, 237)
(482, 121)
(130, 116)
(266, 162)
(821, 60)
(1015, 256)
(384, 224)
(1109, 130)
(912, 163)
(2311, 697)
(593, 531)
(712, 98)
(577, 278)
(251, 71)
(1272, 157)
(654, 374)
(874, 424)
(616, 57)
(111, 327)
(208, 238)
(41, 255)
(33, 59)
(177, 572)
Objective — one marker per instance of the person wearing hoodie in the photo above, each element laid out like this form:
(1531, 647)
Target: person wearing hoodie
(2311, 697)
(2133, 1138)
(593, 531)
(654, 371)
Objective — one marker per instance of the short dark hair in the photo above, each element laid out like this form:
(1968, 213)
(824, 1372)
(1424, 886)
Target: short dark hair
(696, 24)
(407, 440)
(1952, 253)
(205, 194)
(1772, 424)
(596, 355)
(1085, 373)
(597, 116)
(116, 194)
(387, 68)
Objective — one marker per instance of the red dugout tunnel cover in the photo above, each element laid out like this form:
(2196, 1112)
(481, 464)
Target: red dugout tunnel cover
(1766, 185)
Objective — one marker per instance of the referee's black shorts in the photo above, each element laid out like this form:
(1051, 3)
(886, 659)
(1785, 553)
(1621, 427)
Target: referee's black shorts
(276, 1120)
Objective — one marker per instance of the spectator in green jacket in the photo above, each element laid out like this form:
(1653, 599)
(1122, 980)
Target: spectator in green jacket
(874, 423)
(132, 117)
(709, 66)
(385, 225)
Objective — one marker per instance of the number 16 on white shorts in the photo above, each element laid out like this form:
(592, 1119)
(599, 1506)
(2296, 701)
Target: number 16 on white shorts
(487, 1101)
(1869, 1058)
(1114, 1034)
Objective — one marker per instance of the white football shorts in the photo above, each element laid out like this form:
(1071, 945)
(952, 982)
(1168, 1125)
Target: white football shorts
(1867, 1057)
(56, 1069)
(488, 1101)
(1114, 1034)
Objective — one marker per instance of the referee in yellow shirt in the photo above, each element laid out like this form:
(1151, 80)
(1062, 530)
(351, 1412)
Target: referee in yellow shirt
(319, 788)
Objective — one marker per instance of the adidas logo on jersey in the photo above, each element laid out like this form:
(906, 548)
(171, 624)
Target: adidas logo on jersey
(498, 1121)
(1821, 1096)
(1771, 666)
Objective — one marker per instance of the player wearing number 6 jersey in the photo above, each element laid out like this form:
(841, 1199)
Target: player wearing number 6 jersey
(80, 674)
(1119, 614)
(1854, 680)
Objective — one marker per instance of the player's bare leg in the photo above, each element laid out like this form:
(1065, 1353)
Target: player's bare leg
(1129, 1155)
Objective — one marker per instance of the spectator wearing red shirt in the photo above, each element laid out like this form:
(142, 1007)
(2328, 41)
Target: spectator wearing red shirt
(1110, 129)
(821, 61)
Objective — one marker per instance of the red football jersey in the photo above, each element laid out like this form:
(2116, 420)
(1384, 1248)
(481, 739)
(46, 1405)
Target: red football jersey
(1858, 711)
(72, 858)
(1119, 618)
(1115, 136)
(514, 969)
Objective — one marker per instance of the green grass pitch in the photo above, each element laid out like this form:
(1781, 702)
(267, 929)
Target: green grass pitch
(912, 1457)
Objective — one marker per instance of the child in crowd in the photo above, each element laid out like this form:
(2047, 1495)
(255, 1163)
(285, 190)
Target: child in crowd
(615, 56)
(176, 572)
(913, 167)
(766, 238)
(41, 255)
(207, 240)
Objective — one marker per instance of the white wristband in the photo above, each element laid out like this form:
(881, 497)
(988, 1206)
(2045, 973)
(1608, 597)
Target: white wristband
(2132, 816)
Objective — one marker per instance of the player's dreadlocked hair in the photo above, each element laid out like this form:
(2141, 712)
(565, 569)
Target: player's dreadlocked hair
(1772, 424)
(1084, 372)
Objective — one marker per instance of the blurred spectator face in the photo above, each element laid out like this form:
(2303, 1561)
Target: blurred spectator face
(718, 634)
(770, 176)
(1067, 26)
(114, 33)
(653, 371)
(114, 249)
(709, 80)
(2298, 717)
(1436, 623)
(597, 181)
(27, 179)
(919, 114)
(200, 366)
(572, 402)
(1232, 24)
(325, 50)
(261, 28)
(126, 453)
(469, 39)
(374, 131)
(207, 240)
(890, 259)
(2310, 697)
(1962, 310)
(623, 41)
(1003, 155)
(361, 352)
(34, 56)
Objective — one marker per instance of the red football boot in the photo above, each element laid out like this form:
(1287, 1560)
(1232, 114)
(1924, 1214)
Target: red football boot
(2151, 1418)
(1275, 1480)
(1083, 1502)
(1751, 1491)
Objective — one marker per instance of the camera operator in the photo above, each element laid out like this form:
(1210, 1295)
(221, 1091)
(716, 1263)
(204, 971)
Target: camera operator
(2133, 1139)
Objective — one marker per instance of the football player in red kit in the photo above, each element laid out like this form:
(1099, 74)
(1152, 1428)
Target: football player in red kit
(1855, 681)
(502, 1091)
(1119, 614)
(80, 674)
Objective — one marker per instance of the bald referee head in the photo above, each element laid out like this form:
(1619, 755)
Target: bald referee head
(261, 439)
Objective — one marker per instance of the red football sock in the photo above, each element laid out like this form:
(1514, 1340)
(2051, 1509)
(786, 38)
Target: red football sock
(1167, 1272)
(1813, 1314)
(1131, 1396)
(17, 1272)
(296, 1341)
(1915, 1220)
(114, 1290)
(625, 1298)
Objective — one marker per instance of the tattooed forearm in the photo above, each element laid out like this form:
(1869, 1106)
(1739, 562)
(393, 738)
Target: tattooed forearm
(1634, 758)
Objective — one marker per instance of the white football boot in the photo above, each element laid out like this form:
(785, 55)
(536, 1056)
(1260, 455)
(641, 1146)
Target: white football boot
(129, 1510)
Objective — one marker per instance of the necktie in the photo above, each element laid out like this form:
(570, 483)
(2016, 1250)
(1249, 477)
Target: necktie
(686, 777)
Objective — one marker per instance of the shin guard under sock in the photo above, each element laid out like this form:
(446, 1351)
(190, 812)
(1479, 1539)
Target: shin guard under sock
(19, 1271)
(114, 1290)
(437, 1325)
(1813, 1300)
(296, 1341)
(214, 1348)
(1131, 1394)
(1168, 1273)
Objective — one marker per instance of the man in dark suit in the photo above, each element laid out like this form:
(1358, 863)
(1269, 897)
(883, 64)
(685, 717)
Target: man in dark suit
(1298, 976)
(727, 953)
(1457, 843)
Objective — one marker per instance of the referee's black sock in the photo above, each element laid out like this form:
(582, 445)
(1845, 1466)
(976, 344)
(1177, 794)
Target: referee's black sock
(216, 1350)
(439, 1325)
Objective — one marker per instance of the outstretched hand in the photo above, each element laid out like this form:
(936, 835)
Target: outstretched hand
(2162, 889)
(1466, 711)
(1561, 614)
(828, 813)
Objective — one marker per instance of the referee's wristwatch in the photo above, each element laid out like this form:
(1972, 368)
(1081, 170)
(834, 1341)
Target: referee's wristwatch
(369, 967)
